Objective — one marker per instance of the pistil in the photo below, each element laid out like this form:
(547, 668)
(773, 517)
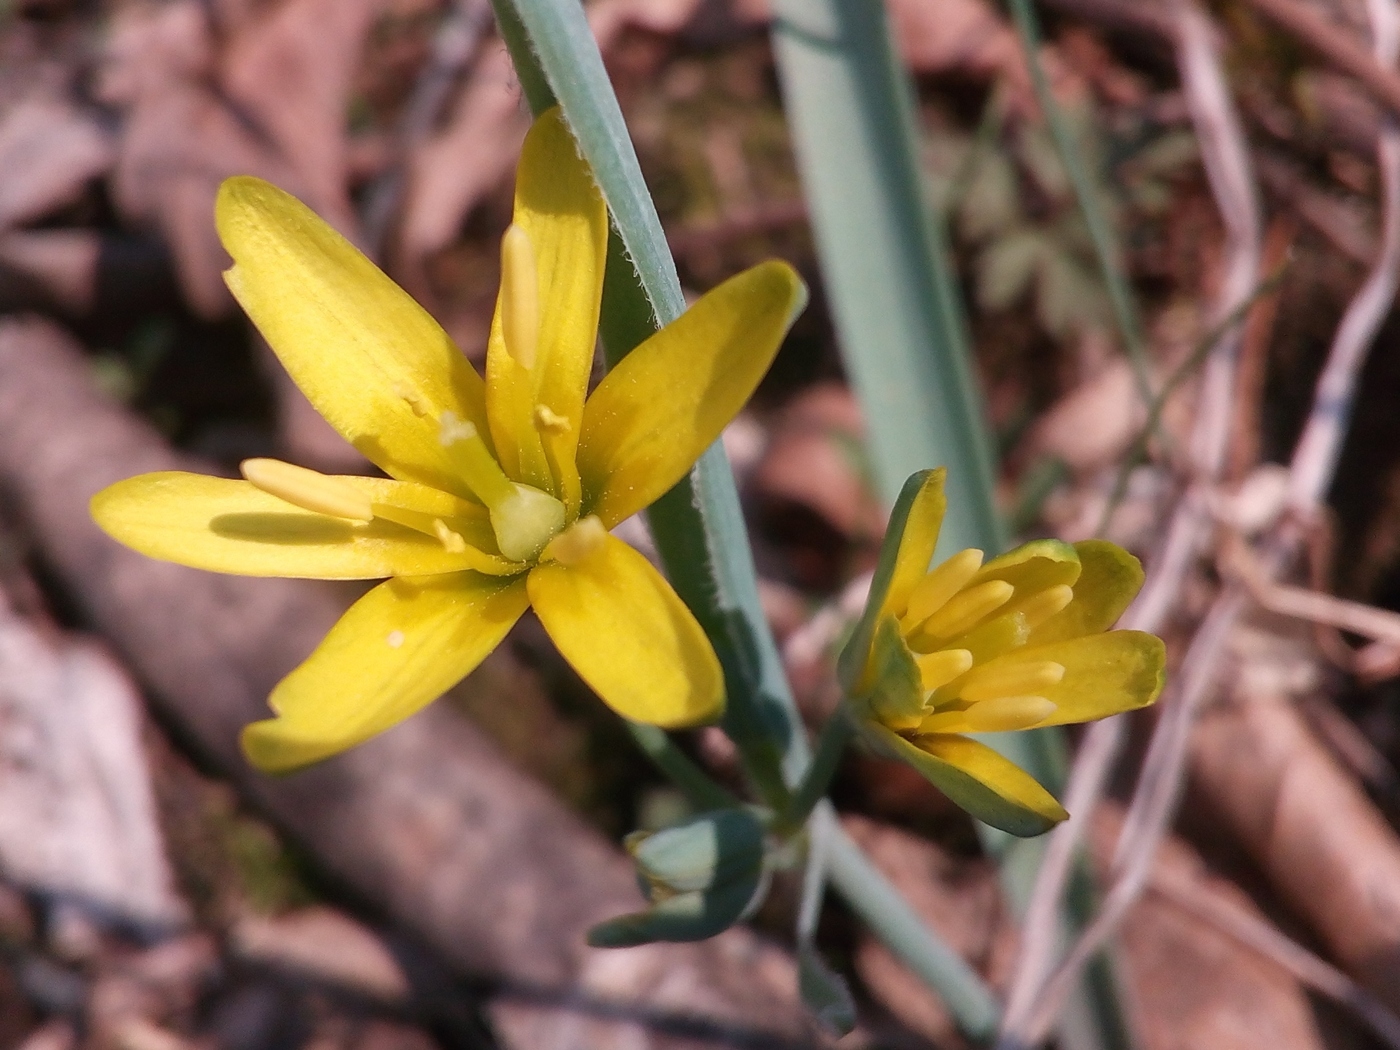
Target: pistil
(523, 518)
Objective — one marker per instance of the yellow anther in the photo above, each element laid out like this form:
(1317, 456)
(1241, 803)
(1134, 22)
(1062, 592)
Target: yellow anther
(583, 538)
(309, 490)
(1014, 679)
(966, 609)
(940, 668)
(1002, 715)
(1040, 607)
(520, 296)
(932, 592)
(450, 540)
(548, 419)
(473, 460)
(414, 399)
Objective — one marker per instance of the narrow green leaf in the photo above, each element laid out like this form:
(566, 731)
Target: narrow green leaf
(824, 992)
(698, 525)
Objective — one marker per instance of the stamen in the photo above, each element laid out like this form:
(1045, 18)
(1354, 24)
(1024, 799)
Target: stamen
(415, 400)
(940, 668)
(547, 419)
(1040, 607)
(967, 608)
(450, 540)
(932, 592)
(395, 639)
(520, 296)
(1002, 715)
(583, 538)
(1015, 680)
(308, 489)
(473, 459)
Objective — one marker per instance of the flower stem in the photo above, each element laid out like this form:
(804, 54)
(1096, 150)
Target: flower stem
(676, 764)
(836, 734)
(872, 897)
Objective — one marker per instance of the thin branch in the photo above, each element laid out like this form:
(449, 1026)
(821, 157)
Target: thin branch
(453, 47)
(1159, 787)
(1263, 938)
(1337, 45)
(1226, 160)
(1086, 193)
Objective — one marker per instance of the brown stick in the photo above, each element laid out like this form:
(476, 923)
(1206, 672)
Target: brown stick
(1322, 844)
(428, 820)
(1343, 49)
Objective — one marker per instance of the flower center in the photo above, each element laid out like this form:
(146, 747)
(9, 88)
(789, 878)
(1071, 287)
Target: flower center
(523, 518)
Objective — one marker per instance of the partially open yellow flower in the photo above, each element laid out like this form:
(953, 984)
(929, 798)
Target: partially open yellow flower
(500, 493)
(1019, 642)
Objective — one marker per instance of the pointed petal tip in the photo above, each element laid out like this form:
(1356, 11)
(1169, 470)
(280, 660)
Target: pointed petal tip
(270, 749)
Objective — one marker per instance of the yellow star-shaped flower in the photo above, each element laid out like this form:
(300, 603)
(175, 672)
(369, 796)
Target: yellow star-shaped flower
(1020, 642)
(500, 493)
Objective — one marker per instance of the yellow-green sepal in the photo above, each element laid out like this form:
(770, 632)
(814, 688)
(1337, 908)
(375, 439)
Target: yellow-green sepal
(1031, 568)
(989, 787)
(701, 876)
(896, 696)
(905, 554)
(1109, 580)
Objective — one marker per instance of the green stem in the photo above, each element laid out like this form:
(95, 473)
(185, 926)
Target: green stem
(703, 792)
(698, 525)
(1120, 294)
(904, 932)
(836, 734)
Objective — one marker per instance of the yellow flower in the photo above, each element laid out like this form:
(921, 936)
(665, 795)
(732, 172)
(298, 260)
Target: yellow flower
(966, 648)
(500, 493)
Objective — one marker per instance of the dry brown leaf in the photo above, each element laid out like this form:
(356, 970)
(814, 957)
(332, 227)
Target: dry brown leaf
(452, 172)
(49, 151)
(49, 270)
(77, 814)
(289, 67)
(813, 459)
(1192, 985)
(326, 945)
(1324, 846)
(179, 142)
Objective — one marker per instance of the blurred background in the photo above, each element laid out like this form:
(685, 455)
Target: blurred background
(432, 888)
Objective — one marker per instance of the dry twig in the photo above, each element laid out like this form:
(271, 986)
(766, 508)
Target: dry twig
(1313, 464)
(1227, 164)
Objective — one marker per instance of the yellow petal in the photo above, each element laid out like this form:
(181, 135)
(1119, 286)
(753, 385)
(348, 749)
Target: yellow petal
(667, 401)
(1032, 569)
(624, 630)
(371, 360)
(905, 554)
(1105, 674)
(562, 217)
(1109, 581)
(993, 789)
(986, 642)
(394, 652)
(231, 526)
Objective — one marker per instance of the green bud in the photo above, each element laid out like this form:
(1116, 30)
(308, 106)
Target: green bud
(706, 851)
(702, 876)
